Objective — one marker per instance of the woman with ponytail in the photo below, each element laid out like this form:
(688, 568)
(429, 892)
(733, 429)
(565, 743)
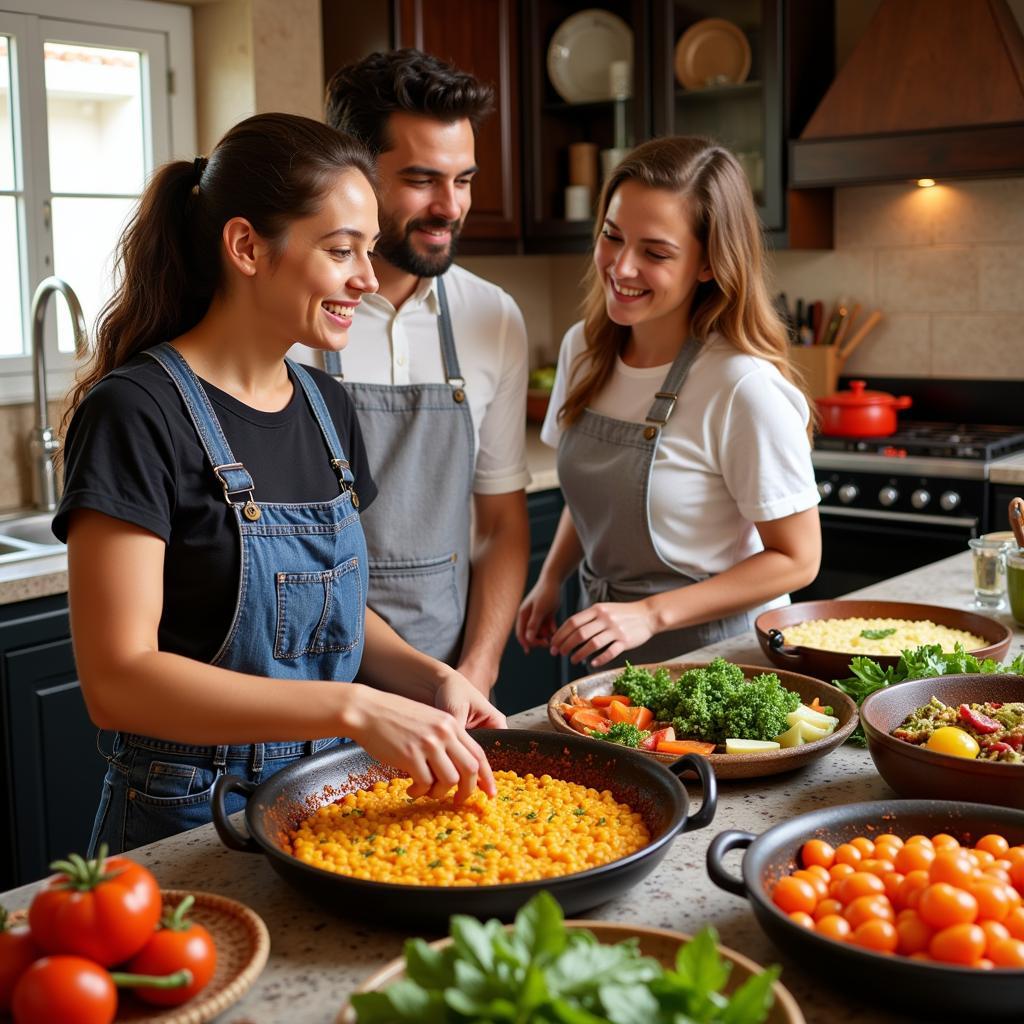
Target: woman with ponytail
(682, 433)
(217, 567)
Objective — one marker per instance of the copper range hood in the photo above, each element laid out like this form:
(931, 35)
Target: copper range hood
(934, 89)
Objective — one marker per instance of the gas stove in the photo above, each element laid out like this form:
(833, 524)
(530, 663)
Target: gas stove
(934, 440)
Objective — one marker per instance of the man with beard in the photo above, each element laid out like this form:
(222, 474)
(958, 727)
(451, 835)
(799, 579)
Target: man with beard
(436, 366)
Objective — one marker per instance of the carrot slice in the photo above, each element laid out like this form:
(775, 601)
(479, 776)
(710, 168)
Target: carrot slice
(604, 699)
(600, 712)
(586, 719)
(685, 747)
(619, 712)
(644, 718)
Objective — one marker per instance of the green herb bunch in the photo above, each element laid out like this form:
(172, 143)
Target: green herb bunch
(717, 702)
(644, 688)
(919, 663)
(624, 733)
(543, 973)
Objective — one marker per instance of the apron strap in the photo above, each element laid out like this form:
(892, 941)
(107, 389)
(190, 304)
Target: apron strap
(231, 475)
(665, 400)
(449, 355)
(319, 407)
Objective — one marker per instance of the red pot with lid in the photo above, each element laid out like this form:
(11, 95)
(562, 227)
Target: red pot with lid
(859, 412)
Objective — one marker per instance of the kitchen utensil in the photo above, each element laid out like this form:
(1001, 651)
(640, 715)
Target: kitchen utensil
(928, 990)
(712, 52)
(838, 312)
(731, 766)
(874, 318)
(846, 324)
(288, 797)
(915, 771)
(817, 320)
(243, 945)
(859, 412)
(1017, 520)
(771, 626)
(659, 943)
(581, 50)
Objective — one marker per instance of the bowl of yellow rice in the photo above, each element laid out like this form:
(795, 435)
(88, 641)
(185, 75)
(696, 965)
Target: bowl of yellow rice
(818, 638)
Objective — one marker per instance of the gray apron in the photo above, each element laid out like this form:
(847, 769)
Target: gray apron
(604, 468)
(419, 441)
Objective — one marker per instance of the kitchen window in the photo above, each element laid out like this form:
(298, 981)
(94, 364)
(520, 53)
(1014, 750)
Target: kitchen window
(94, 94)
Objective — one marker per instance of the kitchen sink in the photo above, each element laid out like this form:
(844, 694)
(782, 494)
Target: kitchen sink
(27, 536)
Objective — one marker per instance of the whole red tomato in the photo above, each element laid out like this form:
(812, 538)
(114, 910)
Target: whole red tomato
(102, 909)
(178, 944)
(17, 951)
(69, 989)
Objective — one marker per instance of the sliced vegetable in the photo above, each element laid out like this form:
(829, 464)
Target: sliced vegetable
(666, 735)
(590, 720)
(602, 700)
(802, 732)
(741, 746)
(685, 747)
(811, 717)
(979, 722)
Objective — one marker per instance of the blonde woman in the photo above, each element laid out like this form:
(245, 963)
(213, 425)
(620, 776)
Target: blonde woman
(682, 434)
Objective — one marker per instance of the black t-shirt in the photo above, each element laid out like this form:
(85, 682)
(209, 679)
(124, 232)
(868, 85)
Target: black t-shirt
(133, 453)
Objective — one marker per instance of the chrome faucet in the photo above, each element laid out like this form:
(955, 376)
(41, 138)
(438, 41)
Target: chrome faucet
(43, 443)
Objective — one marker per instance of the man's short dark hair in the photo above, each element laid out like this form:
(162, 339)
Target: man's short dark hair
(362, 96)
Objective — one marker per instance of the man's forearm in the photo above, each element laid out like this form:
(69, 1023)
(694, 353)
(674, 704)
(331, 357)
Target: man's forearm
(501, 552)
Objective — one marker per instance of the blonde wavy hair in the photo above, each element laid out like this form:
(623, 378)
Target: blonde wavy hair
(734, 303)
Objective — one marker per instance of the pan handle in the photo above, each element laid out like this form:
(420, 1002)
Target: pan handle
(720, 846)
(229, 835)
(777, 642)
(709, 787)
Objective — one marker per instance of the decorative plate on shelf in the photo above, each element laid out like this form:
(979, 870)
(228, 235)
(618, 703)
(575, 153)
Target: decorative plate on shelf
(243, 945)
(712, 52)
(581, 52)
(728, 766)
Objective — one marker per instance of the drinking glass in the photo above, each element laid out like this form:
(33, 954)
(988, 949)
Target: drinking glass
(989, 571)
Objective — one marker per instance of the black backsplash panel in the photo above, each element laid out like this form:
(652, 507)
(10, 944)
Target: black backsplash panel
(954, 401)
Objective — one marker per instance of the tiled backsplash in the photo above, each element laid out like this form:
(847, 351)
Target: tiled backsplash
(944, 265)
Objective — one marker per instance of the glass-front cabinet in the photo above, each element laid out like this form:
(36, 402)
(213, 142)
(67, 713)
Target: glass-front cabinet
(597, 80)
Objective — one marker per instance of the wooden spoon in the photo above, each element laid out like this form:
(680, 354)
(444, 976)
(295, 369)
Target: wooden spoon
(1017, 520)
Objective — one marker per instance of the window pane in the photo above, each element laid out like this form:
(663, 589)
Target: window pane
(94, 119)
(10, 280)
(85, 234)
(6, 129)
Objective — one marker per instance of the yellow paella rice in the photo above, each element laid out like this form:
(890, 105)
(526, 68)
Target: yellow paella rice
(884, 636)
(535, 827)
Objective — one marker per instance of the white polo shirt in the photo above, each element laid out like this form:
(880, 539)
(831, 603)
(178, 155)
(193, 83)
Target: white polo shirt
(389, 346)
(734, 452)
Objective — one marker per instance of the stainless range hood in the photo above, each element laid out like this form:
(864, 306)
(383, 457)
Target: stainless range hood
(934, 89)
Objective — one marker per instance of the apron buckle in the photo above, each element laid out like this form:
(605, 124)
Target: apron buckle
(339, 466)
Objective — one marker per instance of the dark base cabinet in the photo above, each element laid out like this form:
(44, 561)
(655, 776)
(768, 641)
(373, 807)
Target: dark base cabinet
(52, 769)
(526, 680)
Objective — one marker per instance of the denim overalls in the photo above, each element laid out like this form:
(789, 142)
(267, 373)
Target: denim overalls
(299, 615)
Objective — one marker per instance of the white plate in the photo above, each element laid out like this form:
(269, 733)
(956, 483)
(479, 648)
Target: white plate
(581, 50)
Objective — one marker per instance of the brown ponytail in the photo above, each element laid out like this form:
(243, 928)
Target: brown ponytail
(270, 169)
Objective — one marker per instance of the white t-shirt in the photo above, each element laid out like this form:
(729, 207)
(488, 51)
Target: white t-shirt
(734, 451)
(389, 346)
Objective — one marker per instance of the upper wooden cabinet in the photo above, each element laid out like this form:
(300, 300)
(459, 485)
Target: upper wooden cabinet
(539, 138)
(479, 36)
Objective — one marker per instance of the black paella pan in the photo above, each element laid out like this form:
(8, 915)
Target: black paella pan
(288, 797)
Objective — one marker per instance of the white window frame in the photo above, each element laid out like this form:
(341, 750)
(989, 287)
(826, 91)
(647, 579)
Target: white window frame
(128, 23)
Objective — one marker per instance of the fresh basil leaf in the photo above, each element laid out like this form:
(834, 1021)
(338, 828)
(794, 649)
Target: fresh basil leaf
(478, 1010)
(533, 992)
(472, 941)
(428, 967)
(877, 634)
(564, 1012)
(699, 962)
(475, 983)
(540, 926)
(403, 1000)
(751, 1002)
(583, 969)
(629, 1004)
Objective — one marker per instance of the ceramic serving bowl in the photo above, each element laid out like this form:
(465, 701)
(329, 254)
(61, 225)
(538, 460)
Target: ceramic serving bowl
(731, 766)
(771, 626)
(659, 943)
(928, 990)
(917, 772)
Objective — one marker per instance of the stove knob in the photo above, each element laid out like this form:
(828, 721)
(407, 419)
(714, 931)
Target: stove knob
(888, 496)
(824, 490)
(848, 493)
(949, 501)
(920, 498)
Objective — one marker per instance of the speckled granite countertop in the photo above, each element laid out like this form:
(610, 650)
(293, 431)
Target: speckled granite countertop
(1009, 470)
(317, 959)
